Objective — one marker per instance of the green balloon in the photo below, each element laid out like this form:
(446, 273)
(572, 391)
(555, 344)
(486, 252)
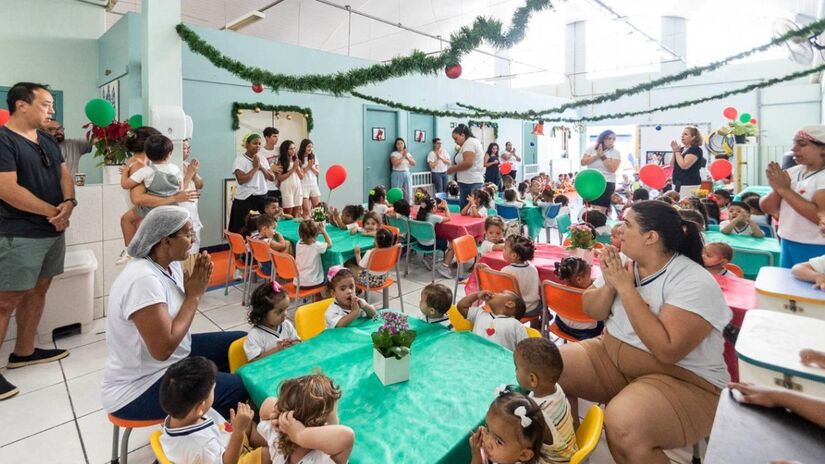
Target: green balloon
(394, 195)
(101, 112)
(590, 184)
(136, 121)
(745, 118)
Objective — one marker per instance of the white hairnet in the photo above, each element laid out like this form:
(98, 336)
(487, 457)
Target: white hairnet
(162, 221)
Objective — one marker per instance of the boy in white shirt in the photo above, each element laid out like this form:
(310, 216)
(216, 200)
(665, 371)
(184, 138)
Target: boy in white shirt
(739, 221)
(501, 323)
(193, 432)
(519, 251)
(436, 300)
(308, 254)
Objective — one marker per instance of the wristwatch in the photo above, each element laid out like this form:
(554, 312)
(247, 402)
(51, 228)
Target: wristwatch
(72, 200)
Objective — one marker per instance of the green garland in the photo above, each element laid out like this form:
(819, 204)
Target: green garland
(814, 28)
(531, 115)
(481, 124)
(237, 107)
(461, 43)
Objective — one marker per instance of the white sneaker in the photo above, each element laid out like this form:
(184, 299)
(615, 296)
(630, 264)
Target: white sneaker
(445, 271)
(123, 258)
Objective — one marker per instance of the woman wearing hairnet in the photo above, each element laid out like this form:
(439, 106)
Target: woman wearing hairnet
(150, 312)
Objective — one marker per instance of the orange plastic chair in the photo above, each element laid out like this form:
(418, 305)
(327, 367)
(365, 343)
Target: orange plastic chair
(498, 281)
(465, 250)
(286, 269)
(382, 261)
(260, 253)
(239, 258)
(736, 270)
(565, 302)
(123, 444)
(395, 230)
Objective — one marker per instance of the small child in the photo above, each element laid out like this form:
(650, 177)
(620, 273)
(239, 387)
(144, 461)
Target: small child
(712, 209)
(740, 222)
(538, 368)
(348, 218)
(564, 202)
(515, 432)
(383, 239)
(519, 251)
(452, 190)
(640, 194)
(250, 225)
(511, 199)
(535, 190)
(492, 191)
(377, 202)
(436, 300)
(372, 223)
(715, 256)
(347, 306)
(722, 198)
(575, 272)
(308, 254)
(401, 208)
(301, 424)
(266, 225)
(477, 204)
(426, 212)
(616, 234)
(598, 220)
(523, 189)
(493, 235)
(758, 216)
(271, 331)
(501, 324)
(273, 208)
(812, 271)
(193, 431)
(695, 216)
(509, 184)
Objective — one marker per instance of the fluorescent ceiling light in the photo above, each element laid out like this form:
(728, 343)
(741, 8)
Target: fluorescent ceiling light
(244, 20)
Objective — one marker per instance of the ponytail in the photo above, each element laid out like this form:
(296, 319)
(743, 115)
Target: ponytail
(692, 241)
(676, 234)
(464, 130)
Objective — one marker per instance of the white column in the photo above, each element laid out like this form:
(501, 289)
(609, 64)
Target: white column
(162, 72)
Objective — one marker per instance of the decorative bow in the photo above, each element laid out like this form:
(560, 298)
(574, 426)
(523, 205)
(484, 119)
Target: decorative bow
(276, 287)
(521, 413)
(333, 271)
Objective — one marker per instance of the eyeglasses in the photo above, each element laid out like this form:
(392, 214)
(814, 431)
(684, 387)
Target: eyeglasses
(44, 157)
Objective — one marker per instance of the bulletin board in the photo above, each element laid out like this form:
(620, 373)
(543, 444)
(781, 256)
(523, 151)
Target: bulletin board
(652, 140)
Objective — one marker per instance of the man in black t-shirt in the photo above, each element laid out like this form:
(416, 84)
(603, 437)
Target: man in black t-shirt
(36, 202)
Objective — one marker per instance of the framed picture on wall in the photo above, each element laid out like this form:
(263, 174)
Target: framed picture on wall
(420, 136)
(656, 157)
(229, 186)
(379, 134)
(111, 93)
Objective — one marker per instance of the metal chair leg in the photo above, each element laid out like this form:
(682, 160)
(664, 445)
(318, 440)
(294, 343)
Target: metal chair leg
(400, 292)
(124, 446)
(115, 443)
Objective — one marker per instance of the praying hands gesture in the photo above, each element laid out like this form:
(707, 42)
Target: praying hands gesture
(778, 179)
(617, 275)
(357, 304)
(476, 442)
(674, 145)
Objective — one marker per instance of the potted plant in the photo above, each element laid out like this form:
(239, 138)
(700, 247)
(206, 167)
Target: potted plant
(742, 131)
(582, 241)
(319, 215)
(110, 145)
(391, 348)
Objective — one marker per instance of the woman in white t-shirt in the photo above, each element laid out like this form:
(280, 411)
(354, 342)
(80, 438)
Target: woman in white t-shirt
(798, 197)
(659, 364)
(469, 163)
(439, 161)
(291, 178)
(509, 155)
(605, 159)
(401, 161)
(251, 170)
(150, 312)
(309, 184)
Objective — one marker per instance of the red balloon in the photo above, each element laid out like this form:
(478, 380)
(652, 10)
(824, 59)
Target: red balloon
(506, 168)
(653, 176)
(753, 121)
(453, 71)
(336, 175)
(720, 169)
(730, 112)
(257, 87)
(4, 117)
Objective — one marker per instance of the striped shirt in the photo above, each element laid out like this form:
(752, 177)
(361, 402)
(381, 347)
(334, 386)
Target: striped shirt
(556, 411)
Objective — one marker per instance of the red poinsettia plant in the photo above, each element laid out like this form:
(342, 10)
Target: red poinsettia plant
(109, 142)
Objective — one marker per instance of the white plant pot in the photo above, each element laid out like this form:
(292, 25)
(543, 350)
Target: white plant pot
(111, 174)
(390, 370)
(586, 255)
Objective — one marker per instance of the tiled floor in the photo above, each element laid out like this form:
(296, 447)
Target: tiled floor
(57, 417)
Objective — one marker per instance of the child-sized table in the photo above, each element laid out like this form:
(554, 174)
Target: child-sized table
(343, 243)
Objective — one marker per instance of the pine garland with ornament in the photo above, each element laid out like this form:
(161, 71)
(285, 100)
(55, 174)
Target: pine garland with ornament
(238, 108)
(483, 124)
(461, 43)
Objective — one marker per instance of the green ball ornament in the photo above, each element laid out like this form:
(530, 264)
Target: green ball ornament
(745, 118)
(136, 121)
(100, 112)
(394, 195)
(590, 184)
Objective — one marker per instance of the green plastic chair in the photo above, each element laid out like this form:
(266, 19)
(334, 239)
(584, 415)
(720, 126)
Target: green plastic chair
(454, 208)
(404, 238)
(422, 231)
(563, 221)
(713, 227)
(604, 238)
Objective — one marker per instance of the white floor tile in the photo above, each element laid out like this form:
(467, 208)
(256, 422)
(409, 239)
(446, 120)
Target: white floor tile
(97, 437)
(5, 350)
(59, 445)
(35, 377)
(85, 392)
(85, 359)
(143, 455)
(96, 333)
(202, 324)
(216, 299)
(28, 414)
(227, 316)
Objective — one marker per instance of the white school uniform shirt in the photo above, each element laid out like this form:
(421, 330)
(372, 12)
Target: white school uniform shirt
(271, 157)
(792, 226)
(256, 185)
(747, 230)
(202, 443)
(146, 174)
(381, 209)
(434, 219)
(818, 264)
(273, 436)
(261, 339)
(334, 314)
(405, 164)
(308, 259)
(444, 321)
(487, 246)
(440, 166)
(689, 286)
(130, 369)
(528, 282)
(598, 164)
(503, 330)
(474, 175)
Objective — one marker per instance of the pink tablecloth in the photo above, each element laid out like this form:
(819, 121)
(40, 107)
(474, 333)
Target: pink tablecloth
(740, 294)
(459, 226)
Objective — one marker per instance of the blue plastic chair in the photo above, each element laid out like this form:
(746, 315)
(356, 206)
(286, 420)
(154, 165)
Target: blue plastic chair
(510, 214)
(768, 230)
(563, 222)
(404, 237)
(422, 231)
(441, 195)
(550, 214)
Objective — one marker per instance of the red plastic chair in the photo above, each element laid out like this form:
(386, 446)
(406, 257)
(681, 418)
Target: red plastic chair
(736, 270)
(497, 281)
(384, 260)
(260, 253)
(239, 258)
(466, 251)
(565, 302)
(286, 269)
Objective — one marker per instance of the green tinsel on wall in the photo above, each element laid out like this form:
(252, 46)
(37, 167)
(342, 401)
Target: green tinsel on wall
(483, 124)
(237, 107)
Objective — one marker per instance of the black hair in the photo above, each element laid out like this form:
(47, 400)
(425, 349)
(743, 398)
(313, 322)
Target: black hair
(541, 356)
(302, 150)
(402, 207)
(724, 249)
(342, 273)
(510, 195)
(353, 211)
(22, 91)
(283, 156)
(562, 200)
(536, 433)
(438, 297)
(641, 194)
(269, 200)
(675, 233)
(264, 220)
(602, 136)
(396, 143)
(697, 205)
(745, 195)
(570, 267)
(463, 129)
(596, 218)
(753, 203)
(425, 207)
(483, 196)
(695, 216)
(263, 300)
(158, 148)
(713, 210)
(665, 199)
(723, 193)
(250, 224)
(136, 138)
(506, 179)
(186, 384)
(452, 189)
(523, 187)
(384, 238)
(270, 131)
(740, 204)
(307, 231)
(376, 195)
(436, 140)
(546, 195)
(522, 246)
(490, 148)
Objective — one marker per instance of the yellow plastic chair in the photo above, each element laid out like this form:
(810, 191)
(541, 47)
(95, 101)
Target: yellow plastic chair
(588, 434)
(154, 440)
(309, 318)
(237, 355)
(533, 333)
(460, 324)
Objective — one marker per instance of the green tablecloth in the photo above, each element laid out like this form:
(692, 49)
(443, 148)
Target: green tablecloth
(343, 243)
(748, 261)
(762, 190)
(453, 376)
(531, 215)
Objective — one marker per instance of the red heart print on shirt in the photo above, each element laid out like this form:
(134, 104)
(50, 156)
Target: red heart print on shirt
(490, 331)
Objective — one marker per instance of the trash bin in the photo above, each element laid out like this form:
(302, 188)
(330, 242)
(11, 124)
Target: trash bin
(70, 299)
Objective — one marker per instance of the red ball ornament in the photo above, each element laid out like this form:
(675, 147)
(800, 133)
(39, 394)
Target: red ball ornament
(753, 121)
(453, 71)
(257, 88)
